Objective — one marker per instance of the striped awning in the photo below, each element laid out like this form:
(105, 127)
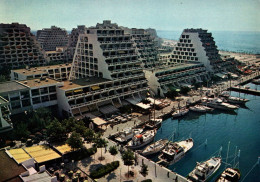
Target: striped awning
(78, 90)
(95, 87)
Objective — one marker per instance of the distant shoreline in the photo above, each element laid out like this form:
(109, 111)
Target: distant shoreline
(220, 50)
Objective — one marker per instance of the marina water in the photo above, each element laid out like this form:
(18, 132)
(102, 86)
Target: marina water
(241, 128)
(236, 41)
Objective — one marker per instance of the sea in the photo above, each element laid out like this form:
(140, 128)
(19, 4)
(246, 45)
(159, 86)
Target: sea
(234, 41)
(241, 128)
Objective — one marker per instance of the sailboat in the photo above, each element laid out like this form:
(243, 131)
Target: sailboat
(174, 151)
(155, 147)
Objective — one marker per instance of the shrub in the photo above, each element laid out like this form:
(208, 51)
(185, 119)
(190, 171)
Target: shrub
(103, 170)
(83, 153)
(147, 180)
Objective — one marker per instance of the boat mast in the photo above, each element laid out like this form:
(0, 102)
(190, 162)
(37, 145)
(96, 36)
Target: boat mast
(227, 154)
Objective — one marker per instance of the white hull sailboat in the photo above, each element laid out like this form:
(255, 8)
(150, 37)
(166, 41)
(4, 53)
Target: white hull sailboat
(173, 152)
(155, 147)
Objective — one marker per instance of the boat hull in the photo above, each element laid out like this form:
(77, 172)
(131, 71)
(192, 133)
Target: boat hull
(141, 145)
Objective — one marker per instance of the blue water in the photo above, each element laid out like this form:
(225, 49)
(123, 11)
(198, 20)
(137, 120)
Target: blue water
(241, 128)
(235, 41)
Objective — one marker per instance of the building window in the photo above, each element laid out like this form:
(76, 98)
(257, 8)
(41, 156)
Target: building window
(36, 100)
(26, 102)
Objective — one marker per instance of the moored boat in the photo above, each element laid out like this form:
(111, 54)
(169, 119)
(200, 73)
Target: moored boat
(155, 147)
(205, 170)
(229, 175)
(154, 123)
(141, 140)
(200, 108)
(256, 81)
(236, 100)
(127, 134)
(219, 104)
(180, 112)
(174, 151)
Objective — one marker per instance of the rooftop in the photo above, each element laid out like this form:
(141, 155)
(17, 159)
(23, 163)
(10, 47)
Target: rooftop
(42, 153)
(64, 148)
(38, 177)
(9, 169)
(11, 86)
(82, 82)
(39, 82)
(19, 155)
(40, 70)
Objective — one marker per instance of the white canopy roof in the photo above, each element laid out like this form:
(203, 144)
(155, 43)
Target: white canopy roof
(154, 101)
(144, 106)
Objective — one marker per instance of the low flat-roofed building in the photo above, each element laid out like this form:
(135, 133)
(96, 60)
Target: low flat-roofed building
(63, 148)
(38, 177)
(160, 79)
(57, 72)
(9, 169)
(30, 94)
(5, 122)
(19, 155)
(42, 153)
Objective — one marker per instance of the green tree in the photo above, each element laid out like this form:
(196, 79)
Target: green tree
(75, 141)
(3, 78)
(89, 135)
(113, 151)
(79, 127)
(144, 169)
(128, 158)
(100, 143)
(184, 90)
(55, 130)
(21, 131)
(171, 94)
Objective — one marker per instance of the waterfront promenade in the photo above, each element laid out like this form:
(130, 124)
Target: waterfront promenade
(155, 171)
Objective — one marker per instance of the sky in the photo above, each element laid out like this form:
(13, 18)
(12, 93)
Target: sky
(214, 15)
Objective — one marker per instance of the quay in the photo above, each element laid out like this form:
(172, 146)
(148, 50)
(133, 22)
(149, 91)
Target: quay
(246, 91)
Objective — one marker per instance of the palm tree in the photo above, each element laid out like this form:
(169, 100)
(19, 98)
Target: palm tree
(113, 151)
(100, 143)
(128, 158)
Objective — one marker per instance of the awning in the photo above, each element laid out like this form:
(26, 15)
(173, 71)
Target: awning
(186, 85)
(95, 87)
(108, 109)
(78, 90)
(144, 106)
(220, 75)
(84, 109)
(154, 101)
(97, 120)
(133, 101)
(75, 111)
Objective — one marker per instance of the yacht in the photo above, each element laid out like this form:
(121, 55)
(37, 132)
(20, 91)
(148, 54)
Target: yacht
(219, 104)
(141, 140)
(225, 94)
(155, 147)
(127, 134)
(236, 100)
(154, 123)
(200, 108)
(256, 81)
(180, 112)
(174, 151)
(204, 170)
(229, 175)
